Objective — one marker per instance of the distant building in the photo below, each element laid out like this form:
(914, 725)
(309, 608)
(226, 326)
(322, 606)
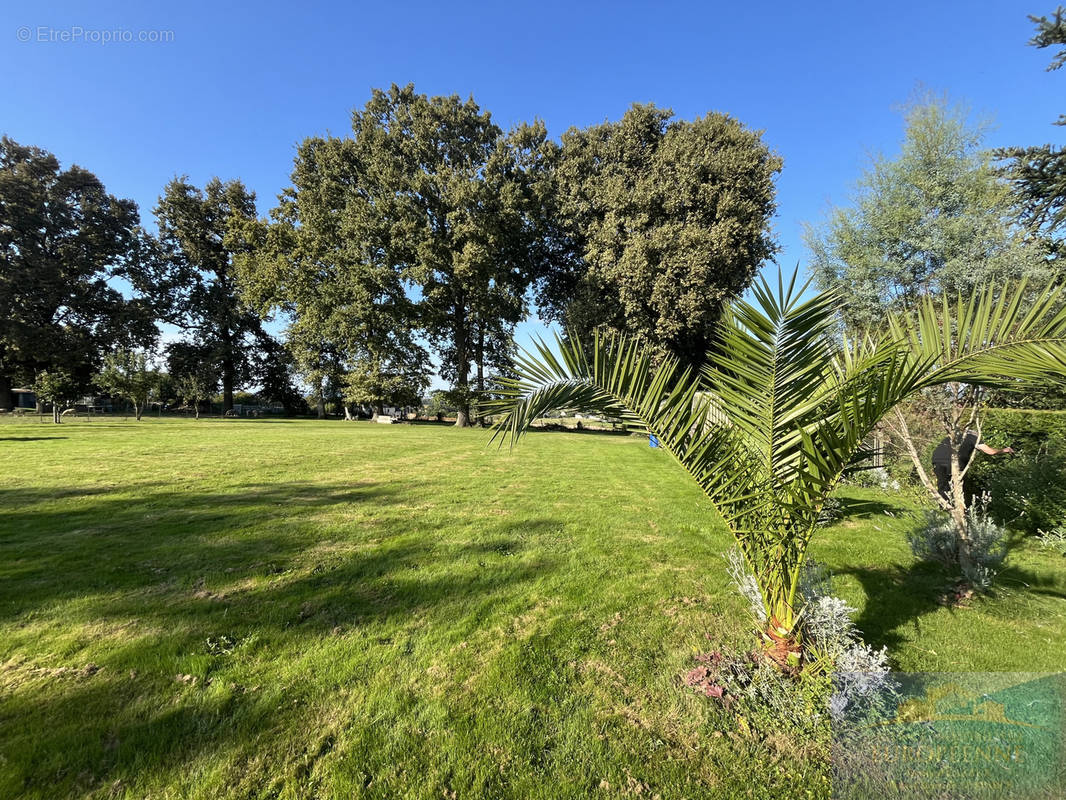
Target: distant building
(24, 398)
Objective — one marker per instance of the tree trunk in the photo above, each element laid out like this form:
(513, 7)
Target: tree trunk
(480, 358)
(7, 401)
(903, 432)
(379, 409)
(321, 401)
(57, 413)
(462, 364)
(228, 371)
(955, 505)
(958, 507)
(197, 405)
(227, 385)
(137, 409)
(348, 412)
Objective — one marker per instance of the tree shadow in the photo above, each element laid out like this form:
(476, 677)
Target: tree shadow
(899, 596)
(29, 438)
(100, 540)
(188, 570)
(861, 508)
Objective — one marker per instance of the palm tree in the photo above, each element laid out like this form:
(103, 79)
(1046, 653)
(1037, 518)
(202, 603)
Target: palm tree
(783, 407)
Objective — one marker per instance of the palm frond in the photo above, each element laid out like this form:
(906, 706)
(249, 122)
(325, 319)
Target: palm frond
(616, 377)
(774, 358)
(768, 428)
(1002, 338)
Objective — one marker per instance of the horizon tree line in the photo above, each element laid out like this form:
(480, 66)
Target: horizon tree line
(429, 233)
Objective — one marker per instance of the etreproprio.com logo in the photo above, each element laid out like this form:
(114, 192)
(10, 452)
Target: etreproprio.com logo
(76, 34)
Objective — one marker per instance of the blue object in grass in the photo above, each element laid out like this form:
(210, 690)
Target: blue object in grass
(652, 441)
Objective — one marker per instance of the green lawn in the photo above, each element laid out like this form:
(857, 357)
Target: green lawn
(335, 610)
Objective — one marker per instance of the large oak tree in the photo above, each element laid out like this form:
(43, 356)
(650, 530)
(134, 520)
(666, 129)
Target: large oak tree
(200, 234)
(325, 261)
(63, 239)
(660, 222)
(463, 219)
(427, 221)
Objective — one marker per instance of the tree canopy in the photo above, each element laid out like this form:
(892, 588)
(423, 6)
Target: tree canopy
(424, 222)
(1039, 173)
(63, 239)
(128, 374)
(938, 219)
(324, 261)
(458, 221)
(201, 232)
(662, 222)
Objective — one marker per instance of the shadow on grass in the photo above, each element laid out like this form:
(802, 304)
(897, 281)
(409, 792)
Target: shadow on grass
(858, 508)
(899, 596)
(29, 438)
(167, 543)
(257, 566)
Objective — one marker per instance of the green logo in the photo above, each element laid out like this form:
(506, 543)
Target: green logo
(955, 736)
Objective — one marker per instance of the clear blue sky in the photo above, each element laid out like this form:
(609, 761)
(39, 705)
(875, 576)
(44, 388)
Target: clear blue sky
(240, 84)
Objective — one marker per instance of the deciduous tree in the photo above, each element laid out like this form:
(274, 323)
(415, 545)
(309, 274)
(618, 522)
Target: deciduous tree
(937, 219)
(324, 261)
(194, 370)
(459, 201)
(660, 223)
(200, 233)
(57, 387)
(63, 239)
(129, 375)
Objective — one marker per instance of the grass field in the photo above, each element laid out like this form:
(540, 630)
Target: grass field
(298, 609)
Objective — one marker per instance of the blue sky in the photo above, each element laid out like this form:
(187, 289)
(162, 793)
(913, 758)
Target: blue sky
(238, 85)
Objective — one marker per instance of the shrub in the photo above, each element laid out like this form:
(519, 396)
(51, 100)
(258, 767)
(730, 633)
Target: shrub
(936, 539)
(832, 511)
(746, 584)
(875, 478)
(845, 677)
(861, 679)
(1054, 540)
(827, 626)
(1028, 490)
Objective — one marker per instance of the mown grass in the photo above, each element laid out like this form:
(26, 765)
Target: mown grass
(300, 609)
